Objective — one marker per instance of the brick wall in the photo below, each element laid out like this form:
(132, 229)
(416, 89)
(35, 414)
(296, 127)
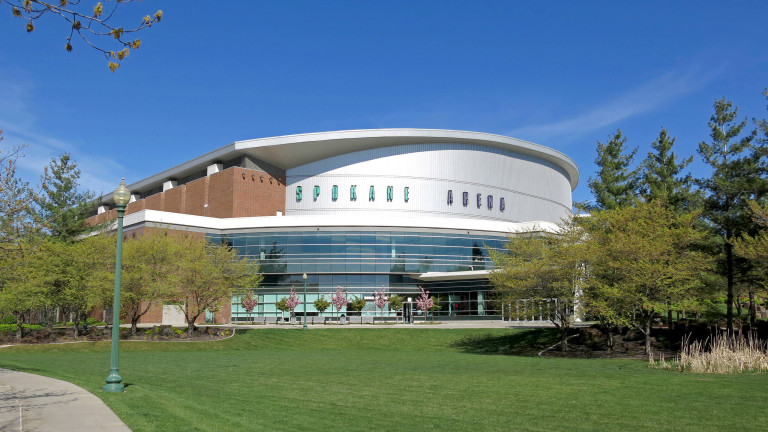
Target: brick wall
(234, 192)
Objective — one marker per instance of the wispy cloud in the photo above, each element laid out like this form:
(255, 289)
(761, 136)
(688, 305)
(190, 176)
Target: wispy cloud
(644, 98)
(21, 126)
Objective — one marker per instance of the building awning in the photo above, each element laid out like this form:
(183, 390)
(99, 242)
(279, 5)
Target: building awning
(452, 276)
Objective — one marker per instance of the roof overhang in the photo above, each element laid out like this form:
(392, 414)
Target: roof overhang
(291, 151)
(452, 276)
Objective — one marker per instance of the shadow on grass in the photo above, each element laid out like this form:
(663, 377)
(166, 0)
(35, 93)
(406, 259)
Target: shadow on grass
(521, 343)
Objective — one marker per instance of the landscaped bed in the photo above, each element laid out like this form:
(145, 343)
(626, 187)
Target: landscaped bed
(394, 379)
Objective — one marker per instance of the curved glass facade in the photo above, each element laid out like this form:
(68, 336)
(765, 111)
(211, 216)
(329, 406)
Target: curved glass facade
(364, 261)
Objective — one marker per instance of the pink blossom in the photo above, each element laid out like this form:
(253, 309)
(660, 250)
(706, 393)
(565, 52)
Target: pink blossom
(424, 302)
(293, 300)
(381, 298)
(249, 303)
(340, 298)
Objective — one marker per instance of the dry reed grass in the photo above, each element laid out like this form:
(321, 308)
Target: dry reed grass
(723, 353)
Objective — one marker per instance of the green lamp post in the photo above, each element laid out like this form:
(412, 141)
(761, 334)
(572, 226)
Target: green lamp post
(114, 381)
(304, 276)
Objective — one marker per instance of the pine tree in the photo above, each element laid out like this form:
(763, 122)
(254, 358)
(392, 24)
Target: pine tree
(62, 206)
(662, 175)
(738, 176)
(616, 184)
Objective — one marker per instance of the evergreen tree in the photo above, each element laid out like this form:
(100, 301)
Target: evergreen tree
(738, 176)
(616, 184)
(662, 176)
(62, 206)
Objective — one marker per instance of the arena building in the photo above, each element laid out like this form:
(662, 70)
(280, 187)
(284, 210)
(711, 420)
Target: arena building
(362, 209)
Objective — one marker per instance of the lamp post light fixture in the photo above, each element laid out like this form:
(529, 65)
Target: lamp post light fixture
(304, 276)
(114, 381)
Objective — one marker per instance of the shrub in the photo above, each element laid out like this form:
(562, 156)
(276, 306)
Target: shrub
(12, 327)
(357, 304)
(8, 319)
(322, 304)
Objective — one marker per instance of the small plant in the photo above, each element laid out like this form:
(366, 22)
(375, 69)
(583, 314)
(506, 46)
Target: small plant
(249, 302)
(322, 304)
(380, 298)
(339, 299)
(282, 306)
(357, 304)
(396, 302)
(424, 302)
(292, 301)
(178, 331)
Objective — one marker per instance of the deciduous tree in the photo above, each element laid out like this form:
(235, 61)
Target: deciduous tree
(544, 269)
(321, 304)
(640, 260)
(90, 22)
(210, 274)
(150, 273)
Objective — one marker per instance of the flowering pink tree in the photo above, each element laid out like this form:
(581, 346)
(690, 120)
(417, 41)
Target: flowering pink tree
(249, 303)
(424, 302)
(293, 300)
(380, 298)
(339, 299)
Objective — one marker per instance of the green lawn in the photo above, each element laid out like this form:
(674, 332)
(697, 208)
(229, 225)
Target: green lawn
(392, 380)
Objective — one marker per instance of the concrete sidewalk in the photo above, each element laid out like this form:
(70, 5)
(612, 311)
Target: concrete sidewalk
(32, 403)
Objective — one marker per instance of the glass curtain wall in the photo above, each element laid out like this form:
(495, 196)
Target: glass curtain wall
(362, 262)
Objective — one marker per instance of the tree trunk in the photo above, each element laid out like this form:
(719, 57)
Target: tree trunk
(19, 326)
(75, 322)
(669, 318)
(49, 318)
(729, 278)
(752, 306)
(647, 332)
(563, 339)
(134, 325)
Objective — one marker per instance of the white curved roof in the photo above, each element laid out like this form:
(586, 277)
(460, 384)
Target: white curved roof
(290, 151)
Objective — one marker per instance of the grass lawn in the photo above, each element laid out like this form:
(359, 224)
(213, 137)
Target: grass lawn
(393, 380)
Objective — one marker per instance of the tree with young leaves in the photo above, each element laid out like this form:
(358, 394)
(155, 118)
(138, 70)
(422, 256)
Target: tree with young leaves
(19, 238)
(150, 273)
(321, 304)
(642, 260)
(75, 277)
(755, 248)
(62, 206)
(616, 183)
(91, 23)
(739, 175)
(209, 274)
(543, 269)
(19, 295)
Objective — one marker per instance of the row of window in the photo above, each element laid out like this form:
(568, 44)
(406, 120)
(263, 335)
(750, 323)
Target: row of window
(346, 252)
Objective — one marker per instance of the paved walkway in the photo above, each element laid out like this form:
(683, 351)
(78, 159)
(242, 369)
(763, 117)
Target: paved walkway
(32, 403)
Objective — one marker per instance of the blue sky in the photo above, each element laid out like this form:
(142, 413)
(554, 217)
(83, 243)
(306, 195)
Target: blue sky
(561, 74)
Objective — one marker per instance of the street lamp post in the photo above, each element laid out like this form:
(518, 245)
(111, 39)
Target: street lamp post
(114, 381)
(304, 276)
